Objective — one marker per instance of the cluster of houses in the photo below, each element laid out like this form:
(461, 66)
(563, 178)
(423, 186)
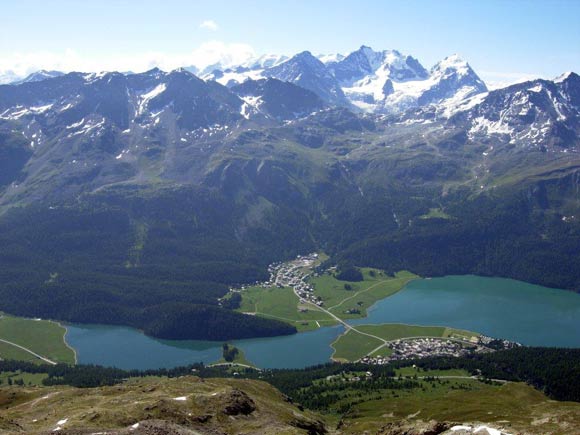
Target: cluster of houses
(295, 274)
(496, 343)
(415, 348)
(349, 377)
(420, 348)
(292, 274)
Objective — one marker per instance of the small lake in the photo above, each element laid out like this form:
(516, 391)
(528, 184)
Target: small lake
(530, 314)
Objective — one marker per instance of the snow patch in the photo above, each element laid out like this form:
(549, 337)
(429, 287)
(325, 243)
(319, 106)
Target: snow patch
(145, 98)
(251, 104)
(482, 125)
(237, 77)
(75, 125)
(329, 58)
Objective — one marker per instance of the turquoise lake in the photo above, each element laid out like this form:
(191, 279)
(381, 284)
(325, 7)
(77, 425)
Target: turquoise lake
(530, 314)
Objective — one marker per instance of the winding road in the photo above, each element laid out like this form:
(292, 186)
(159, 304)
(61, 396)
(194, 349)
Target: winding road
(338, 319)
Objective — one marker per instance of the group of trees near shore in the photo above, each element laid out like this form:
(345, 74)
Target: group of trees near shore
(554, 371)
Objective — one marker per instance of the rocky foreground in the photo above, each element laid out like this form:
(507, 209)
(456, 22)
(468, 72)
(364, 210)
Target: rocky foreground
(191, 405)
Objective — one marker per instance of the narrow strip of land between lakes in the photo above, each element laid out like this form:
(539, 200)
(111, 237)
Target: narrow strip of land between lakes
(29, 351)
(352, 328)
(338, 319)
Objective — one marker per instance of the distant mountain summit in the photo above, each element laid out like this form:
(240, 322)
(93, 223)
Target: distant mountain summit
(365, 80)
(40, 75)
(365, 61)
(309, 72)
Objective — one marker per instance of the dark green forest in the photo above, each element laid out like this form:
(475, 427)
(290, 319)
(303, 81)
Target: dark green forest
(554, 371)
(161, 264)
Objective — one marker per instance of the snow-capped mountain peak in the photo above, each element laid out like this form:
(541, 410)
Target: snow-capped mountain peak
(330, 58)
(563, 77)
(375, 59)
(365, 79)
(453, 64)
(264, 61)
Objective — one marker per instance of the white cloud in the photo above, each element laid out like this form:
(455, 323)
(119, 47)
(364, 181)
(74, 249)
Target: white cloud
(213, 52)
(209, 25)
(208, 53)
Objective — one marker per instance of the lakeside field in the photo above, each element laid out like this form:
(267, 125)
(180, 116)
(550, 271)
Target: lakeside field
(43, 337)
(376, 285)
(345, 299)
(283, 304)
(352, 345)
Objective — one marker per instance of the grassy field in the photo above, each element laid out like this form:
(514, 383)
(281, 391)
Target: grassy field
(338, 300)
(43, 337)
(514, 406)
(8, 351)
(27, 378)
(352, 345)
(283, 304)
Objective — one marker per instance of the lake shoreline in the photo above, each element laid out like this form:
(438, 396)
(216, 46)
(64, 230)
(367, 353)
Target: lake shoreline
(457, 295)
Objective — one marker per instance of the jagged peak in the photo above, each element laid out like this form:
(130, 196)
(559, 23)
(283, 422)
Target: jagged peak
(182, 72)
(154, 71)
(565, 76)
(303, 55)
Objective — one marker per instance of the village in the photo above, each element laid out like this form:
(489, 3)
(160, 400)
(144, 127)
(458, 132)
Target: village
(420, 348)
(293, 274)
(416, 348)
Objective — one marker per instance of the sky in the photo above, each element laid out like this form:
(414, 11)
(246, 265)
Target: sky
(503, 40)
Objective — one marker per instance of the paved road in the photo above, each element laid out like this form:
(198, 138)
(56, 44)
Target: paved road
(29, 351)
(338, 319)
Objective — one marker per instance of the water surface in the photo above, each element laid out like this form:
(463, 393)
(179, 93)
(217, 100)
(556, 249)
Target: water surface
(530, 314)
(505, 308)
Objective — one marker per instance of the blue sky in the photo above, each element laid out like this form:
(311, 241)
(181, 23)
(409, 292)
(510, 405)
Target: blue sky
(503, 40)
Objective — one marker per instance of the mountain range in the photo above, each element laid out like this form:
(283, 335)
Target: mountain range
(139, 198)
